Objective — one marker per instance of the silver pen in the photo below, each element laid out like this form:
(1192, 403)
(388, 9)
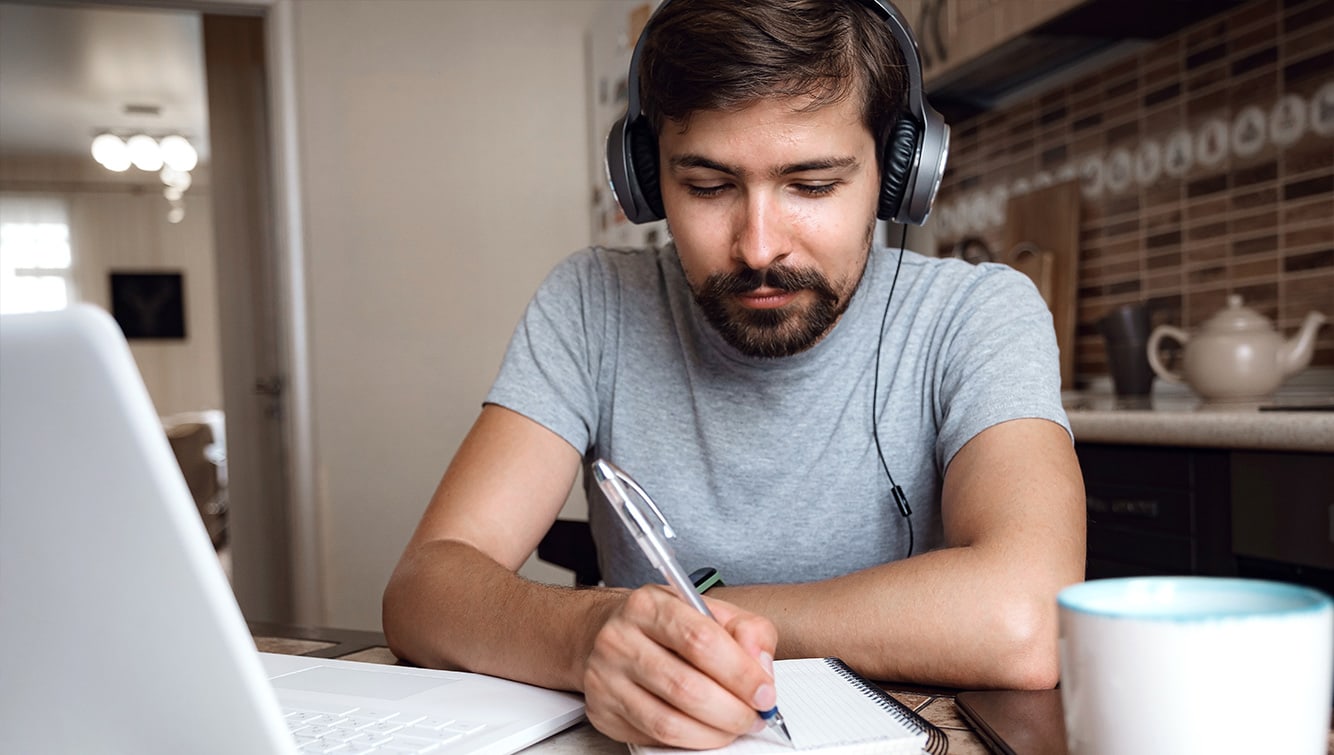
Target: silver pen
(650, 529)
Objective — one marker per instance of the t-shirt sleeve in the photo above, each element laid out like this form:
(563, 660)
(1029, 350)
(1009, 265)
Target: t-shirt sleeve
(550, 368)
(1000, 360)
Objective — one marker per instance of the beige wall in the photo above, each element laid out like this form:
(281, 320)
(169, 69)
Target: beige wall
(443, 169)
(119, 222)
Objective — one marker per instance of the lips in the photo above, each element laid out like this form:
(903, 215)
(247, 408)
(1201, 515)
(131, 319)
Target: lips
(766, 298)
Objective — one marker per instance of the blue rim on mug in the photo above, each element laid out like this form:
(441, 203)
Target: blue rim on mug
(1210, 598)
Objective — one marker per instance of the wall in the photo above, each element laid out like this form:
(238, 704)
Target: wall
(444, 171)
(1206, 164)
(119, 222)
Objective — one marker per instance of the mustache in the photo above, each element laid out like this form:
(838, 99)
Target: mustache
(781, 278)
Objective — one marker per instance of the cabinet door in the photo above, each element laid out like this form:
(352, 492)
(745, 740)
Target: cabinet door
(1155, 510)
(1283, 507)
(964, 30)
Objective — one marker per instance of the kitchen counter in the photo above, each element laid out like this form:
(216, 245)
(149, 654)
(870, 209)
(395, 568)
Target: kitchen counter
(1299, 417)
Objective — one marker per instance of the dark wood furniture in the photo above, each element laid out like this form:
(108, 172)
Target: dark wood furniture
(1209, 512)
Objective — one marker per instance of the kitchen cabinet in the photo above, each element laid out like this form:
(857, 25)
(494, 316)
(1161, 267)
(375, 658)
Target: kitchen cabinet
(952, 33)
(1209, 511)
(1156, 510)
(1283, 516)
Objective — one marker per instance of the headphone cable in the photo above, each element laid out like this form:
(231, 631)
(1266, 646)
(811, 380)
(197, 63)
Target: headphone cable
(900, 498)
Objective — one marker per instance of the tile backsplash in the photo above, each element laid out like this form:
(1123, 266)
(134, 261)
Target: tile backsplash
(1205, 162)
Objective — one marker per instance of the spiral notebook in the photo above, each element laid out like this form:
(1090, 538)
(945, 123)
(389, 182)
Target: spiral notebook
(829, 708)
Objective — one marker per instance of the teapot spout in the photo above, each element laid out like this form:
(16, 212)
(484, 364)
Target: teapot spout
(1295, 353)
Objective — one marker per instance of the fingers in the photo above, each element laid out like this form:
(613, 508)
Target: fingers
(627, 712)
(748, 675)
(661, 672)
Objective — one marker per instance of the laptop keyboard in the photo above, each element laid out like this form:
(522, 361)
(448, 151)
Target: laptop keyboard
(350, 730)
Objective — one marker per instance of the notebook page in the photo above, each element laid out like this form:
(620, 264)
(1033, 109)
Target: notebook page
(825, 713)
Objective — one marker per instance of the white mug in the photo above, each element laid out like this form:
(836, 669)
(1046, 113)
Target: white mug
(1195, 665)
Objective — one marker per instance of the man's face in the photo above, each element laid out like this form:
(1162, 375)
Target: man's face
(772, 210)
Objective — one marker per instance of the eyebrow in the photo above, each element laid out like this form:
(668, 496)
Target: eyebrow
(687, 161)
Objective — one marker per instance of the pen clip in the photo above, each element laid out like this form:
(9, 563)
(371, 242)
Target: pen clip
(609, 474)
(653, 537)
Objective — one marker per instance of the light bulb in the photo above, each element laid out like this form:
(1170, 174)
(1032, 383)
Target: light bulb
(144, 152)
(177, 153)
(177, 179)
(111, 152)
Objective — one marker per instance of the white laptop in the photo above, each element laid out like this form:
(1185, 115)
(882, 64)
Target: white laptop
(118, 630)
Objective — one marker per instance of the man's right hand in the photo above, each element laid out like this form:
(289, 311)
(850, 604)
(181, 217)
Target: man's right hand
(660, 672)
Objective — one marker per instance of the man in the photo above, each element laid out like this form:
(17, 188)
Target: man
(763, 377)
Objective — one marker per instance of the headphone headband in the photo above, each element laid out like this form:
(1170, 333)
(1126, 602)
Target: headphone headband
(915, 160)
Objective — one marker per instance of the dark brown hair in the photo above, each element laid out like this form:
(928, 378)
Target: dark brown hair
(727, 54)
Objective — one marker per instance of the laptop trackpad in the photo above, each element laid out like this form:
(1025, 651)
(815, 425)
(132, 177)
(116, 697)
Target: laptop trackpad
(340, 681)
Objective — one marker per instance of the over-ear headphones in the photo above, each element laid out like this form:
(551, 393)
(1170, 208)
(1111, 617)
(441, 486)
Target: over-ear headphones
(913, 158)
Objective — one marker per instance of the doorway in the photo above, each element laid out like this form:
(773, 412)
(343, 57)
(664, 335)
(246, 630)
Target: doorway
(242, 337)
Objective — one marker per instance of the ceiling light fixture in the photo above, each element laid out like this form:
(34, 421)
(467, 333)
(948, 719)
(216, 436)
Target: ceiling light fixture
(172, 157)
(145, 152)
(178, 153)
(110, 151)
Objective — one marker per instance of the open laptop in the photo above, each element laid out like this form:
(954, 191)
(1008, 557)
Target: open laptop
(118, 630)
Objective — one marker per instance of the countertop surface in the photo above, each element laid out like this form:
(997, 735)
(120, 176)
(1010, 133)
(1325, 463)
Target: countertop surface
(1299, 417)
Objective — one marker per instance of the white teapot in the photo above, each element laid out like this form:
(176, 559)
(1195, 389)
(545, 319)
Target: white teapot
(1236, 355)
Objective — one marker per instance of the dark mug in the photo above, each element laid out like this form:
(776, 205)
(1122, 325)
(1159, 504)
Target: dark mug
(1126, 324)
(1125, 331)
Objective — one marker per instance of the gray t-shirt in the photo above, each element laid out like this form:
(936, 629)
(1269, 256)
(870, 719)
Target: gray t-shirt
(766, 468)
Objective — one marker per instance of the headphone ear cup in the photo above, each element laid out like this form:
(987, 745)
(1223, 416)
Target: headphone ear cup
(900, 155)
(643, 148)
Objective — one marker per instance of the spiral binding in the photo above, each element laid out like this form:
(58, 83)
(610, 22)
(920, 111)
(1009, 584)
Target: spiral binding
(936, 743)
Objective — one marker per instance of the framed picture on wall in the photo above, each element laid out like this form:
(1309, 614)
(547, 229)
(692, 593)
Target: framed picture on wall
(149, 305)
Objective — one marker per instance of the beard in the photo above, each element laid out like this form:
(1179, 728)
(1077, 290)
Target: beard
(778, 332)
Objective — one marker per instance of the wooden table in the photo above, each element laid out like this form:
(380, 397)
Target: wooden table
(935, 705)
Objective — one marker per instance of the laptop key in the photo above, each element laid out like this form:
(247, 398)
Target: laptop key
(304, 716)
(345, 731)
(369, 740)
(382, 727)
(317, 731)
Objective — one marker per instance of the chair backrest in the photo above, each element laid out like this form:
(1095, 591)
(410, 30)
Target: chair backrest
(569, 545)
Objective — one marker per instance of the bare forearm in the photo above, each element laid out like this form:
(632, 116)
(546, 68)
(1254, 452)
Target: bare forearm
(450, 606)
(956, 617)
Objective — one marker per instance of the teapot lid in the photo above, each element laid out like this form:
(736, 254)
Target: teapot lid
(1235, 317)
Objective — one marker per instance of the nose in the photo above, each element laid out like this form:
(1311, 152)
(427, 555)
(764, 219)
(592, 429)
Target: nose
(758, 241)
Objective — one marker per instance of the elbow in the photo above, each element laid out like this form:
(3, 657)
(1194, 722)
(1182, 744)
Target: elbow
(391, 609)
(401, 619)
(1027, 647)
